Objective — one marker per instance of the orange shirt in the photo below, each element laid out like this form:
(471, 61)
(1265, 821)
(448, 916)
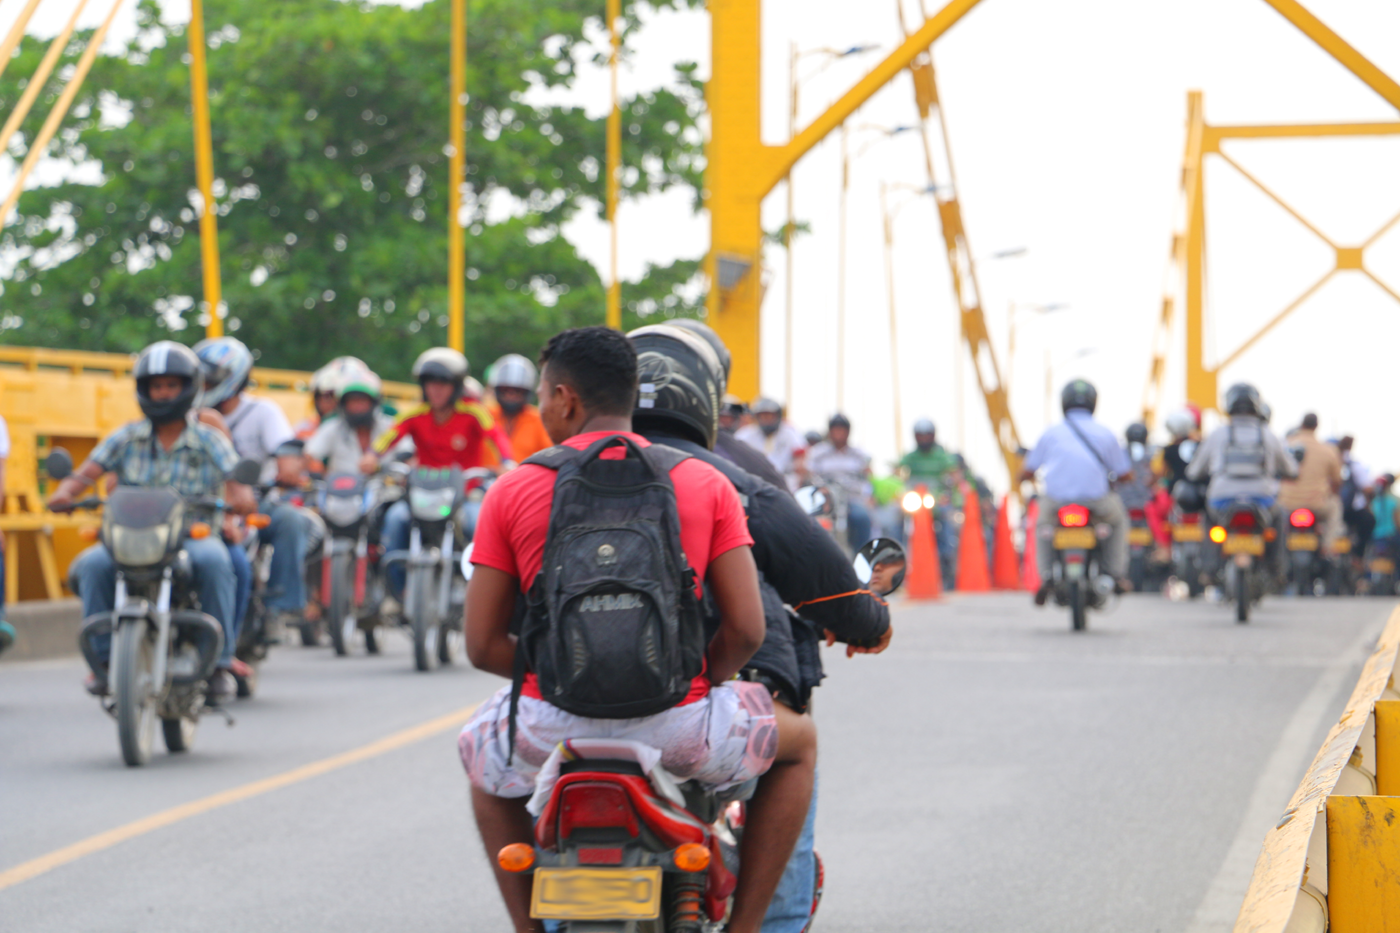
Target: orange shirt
(526, 432)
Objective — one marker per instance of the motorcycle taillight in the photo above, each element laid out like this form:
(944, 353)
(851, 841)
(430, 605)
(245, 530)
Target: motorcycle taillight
(1243, 521)
(1302, 518)
(596, 805)
(1190, 518)
(1137, 515)
(1073, 516)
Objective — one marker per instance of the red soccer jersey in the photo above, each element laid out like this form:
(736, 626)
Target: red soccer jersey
(456, 442)
(514, 521)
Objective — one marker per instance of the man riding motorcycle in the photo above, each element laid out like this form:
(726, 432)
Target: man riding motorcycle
(1318, 483)
(340, 444)
(1083, 462)
(512, 378)
(1142, 493)
(261, 432)
(168, 448)
(933, 465)
(836, 460)
(775, 438)
(323, 383)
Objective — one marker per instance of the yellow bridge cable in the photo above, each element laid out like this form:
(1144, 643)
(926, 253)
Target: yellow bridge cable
(16, 33)
(41, 77)
(60, 110)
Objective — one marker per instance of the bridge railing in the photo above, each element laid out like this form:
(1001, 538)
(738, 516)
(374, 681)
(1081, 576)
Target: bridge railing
(1333, 860)
(72, 399)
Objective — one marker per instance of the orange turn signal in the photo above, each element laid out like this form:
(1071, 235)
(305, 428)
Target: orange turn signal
(88, 533)
(518, 856)
(199, 531)
(692, 857)
(258, 520)
(1217, 534)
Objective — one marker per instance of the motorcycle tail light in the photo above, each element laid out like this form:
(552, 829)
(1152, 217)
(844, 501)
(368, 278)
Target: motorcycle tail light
(1302, 518)
(1243, 521)
(1074, 516)
(1138, 514)
(1191, 518)
(692, 857)
(518, 856)
(596, 805)
(1217, 534)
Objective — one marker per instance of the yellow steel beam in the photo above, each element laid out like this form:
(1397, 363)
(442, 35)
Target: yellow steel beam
(1214, 134)
(1363, 864)
(1200, 381)
(456, 177)
(1334, 45)
(1388, 748)
(204, 171)
(40, 77)
(16, 33)
(614, 160)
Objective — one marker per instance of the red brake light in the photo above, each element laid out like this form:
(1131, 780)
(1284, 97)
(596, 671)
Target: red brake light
(596, 805)
(1137, 513)
(600, 856)
(1191, 518)
(1302, 518)
(1074, 516)
(1243, 521)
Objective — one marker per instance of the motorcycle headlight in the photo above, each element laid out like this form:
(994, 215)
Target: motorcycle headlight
(138, 547)
(341, 510)
(431, 505)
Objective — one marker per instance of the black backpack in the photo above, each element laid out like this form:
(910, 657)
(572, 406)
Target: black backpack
(612, 627)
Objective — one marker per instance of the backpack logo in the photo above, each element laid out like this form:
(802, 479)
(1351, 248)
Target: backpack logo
(610, 603)
(607, 555)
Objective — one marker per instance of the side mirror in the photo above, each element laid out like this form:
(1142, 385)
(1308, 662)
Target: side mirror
(467, 562)
(247, 472)
(813, 500)
(59, 463)
(880, 565)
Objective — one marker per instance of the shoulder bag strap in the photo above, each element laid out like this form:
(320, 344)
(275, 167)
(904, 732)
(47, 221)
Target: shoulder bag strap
(1112, 476)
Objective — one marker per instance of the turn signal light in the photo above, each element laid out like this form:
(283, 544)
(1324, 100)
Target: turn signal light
(1217, 534)
(518, 856)
(258, 520)
(692, 857)
(1074, 516)
(199, 531)
(88, 533)
(1302, 518)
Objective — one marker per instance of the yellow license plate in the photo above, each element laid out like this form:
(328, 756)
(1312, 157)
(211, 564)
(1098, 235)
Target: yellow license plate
(1141, 537)
(596, 894)
(1188, 533)
(1299, 541)
(1382, 565)
(1342, 546)
(1244, 544)
(1075, 539)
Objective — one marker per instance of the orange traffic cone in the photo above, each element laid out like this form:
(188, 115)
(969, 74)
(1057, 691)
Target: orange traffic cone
(972, 549)
(1005, 575)
(1030, 569)
(924, 580)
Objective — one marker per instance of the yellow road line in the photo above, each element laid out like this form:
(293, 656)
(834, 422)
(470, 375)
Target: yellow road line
(46, 863)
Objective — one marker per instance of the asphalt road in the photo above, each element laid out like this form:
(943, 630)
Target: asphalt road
(991, 772)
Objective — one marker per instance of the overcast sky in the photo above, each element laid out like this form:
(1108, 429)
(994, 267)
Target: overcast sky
(1066, 121)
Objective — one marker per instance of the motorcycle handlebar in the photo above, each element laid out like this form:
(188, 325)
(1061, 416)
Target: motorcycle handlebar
(91, 502)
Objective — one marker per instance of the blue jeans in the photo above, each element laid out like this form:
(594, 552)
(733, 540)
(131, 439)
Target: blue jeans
(243, 585)
(286, 588)
(791, 907)
(394, 536)
(857, 523)
(96, 573)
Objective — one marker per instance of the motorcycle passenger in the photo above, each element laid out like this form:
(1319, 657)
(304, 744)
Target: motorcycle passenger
(1241, 460)
(1357, 483)
(512, 378)
(323, 400)
(340, 444)
(775, 438)
(169, 447)
(447, 430)
(588, 391)
(1082, 461)
(799, 565)
(836, 460)
(260, 430)
(1318, 484)
(1385, 507)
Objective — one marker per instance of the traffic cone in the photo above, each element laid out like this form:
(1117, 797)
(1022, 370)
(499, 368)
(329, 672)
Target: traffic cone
(1005, 575)
(924, 580)
(972, 549)
(1030, 569)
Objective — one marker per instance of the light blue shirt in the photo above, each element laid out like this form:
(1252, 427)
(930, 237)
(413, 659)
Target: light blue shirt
(1072, 472)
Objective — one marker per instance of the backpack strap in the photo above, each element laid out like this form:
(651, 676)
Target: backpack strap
(553, 458)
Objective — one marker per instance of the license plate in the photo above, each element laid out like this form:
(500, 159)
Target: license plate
(1188, 533)
(1140, 537)
(596, 894)
(1303, 542)
(1244, 544)
(1382, 565)
(1075, 539)
(1342, 545)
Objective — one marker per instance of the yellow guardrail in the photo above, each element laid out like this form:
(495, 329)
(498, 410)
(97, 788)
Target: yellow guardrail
(72, 399)
(1333, 860)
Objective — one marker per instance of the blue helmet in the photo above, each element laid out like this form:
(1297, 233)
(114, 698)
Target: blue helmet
(227, 366)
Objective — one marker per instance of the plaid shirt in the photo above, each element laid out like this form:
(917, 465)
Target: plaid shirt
(198, 464)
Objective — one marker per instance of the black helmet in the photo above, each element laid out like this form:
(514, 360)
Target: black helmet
(838, 420)
(168, 358)
(1137, 433)
(1242, 399)
(678, 378)
(1079, 394)
(707, 333)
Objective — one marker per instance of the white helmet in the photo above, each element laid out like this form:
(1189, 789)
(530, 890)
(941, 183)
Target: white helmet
(441, 363)
(512, 371)
(329, 377)
(1181, 423)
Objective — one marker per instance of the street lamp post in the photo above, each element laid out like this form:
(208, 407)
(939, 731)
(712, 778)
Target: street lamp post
(888, 215)
(1011, 313)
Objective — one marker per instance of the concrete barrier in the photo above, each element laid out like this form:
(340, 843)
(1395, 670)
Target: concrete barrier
(1333, 860)
(44, 629)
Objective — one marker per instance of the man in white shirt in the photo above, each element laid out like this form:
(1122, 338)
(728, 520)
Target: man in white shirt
(775, 438)
(340, 444)
(836, 461)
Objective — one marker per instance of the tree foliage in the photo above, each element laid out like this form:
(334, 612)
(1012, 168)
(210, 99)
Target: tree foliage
(329, 129)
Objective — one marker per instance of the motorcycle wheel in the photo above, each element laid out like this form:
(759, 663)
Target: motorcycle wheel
(447, 649)
(1078, 605)
(1242, 596)
(422, 596)
(133, 657)
(341, 618)
(179, 733)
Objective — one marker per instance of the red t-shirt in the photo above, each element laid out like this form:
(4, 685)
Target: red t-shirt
(514, 522)
(456, 442)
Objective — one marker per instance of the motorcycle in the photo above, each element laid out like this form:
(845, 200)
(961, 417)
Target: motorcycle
(1076, 575)
(1308, 567)
(622, 847)
(1140, 547)
(832, 515)
(1241, 533)
(164, 648)
(1380, 579)
(1192, 561)
(352, 584)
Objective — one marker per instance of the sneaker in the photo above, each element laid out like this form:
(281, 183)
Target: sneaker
(222, 688)
(95, 685)
(7, 635)
(1042, 594)
(275, 631)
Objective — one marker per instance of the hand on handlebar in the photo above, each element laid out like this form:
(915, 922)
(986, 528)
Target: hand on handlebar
(878, 646)
(369, 464)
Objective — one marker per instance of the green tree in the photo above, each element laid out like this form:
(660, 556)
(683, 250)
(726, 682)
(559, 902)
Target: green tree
(329, 125)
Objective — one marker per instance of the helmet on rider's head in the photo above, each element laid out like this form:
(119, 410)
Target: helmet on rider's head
(733, 405)
(442, 364)
(678, 382)
(924, 426)
(227, 366)
(168, 358)
(512, 371)
(1181, 423)
(813, 438)
(359, 381)
(1080, 393)
(1137, 433)
(768, 414)
(328, 377)
(707, 333)
(1242, 399)
(838, 420)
